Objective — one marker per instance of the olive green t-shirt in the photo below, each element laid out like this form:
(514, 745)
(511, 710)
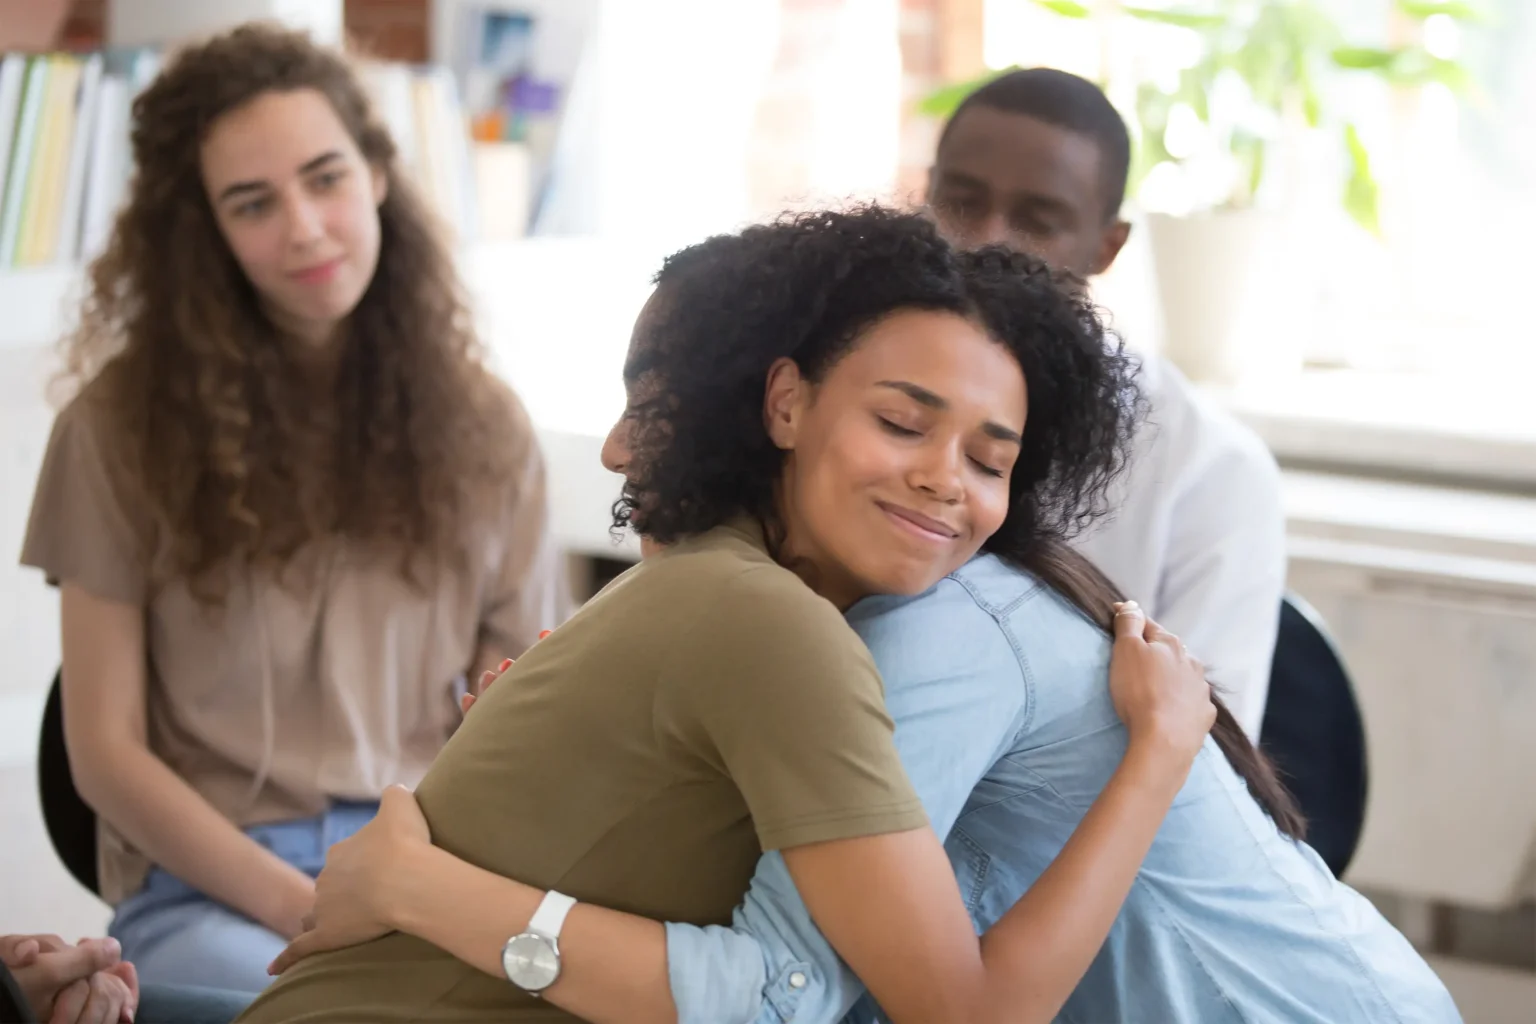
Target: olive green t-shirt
(706, 706)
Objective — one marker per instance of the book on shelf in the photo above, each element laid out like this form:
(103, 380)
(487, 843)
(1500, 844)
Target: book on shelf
(87, 112)
(420, 106)
(45, 193)
(13, 73)
(65, 159)
(64, 150)
(514, 61)
(29, 102)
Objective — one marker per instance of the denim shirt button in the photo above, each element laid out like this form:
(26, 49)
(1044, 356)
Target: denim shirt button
(797, 980)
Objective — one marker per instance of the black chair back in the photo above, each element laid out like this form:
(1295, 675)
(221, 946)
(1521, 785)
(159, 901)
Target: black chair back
(70, 821)
(13, 1002)
(1314, 734)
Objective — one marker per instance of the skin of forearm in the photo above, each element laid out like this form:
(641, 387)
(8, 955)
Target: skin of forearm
(1056, 929)
(613, 965)
(173, 826)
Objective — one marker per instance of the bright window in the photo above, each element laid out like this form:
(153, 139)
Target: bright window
(1445, 289)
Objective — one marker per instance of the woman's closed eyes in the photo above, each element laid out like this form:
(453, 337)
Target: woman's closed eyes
(897, 430)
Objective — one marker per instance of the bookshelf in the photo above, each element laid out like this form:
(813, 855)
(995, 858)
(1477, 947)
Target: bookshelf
(64, 161)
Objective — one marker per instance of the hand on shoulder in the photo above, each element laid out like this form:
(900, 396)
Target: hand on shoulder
(1159, 688)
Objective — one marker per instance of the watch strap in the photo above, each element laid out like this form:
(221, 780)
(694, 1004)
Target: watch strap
(550, 917)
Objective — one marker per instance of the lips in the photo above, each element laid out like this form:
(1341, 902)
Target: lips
(915, 522)
(317, 274)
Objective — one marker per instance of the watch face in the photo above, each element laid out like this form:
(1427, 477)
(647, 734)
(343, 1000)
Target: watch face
(531, 961)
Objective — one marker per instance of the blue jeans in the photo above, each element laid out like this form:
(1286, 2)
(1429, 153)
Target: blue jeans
(175, 935)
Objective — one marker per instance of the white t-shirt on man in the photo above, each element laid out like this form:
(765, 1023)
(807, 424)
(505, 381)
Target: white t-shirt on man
(1198, 536)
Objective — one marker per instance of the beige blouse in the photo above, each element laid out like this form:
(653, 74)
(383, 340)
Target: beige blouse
(336, 681)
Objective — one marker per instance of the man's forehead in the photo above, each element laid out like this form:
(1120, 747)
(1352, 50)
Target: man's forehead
(1003, 149)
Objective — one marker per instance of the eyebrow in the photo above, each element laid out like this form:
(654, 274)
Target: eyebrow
(1050, 203)
(242, 187)
(922, 396)
(1036, 199)
(962, 179)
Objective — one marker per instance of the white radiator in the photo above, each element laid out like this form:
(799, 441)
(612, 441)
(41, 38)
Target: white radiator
(1431, 596)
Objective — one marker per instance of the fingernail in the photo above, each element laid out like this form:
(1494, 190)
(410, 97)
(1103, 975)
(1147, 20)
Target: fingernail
(1130, 606)
(545, 633)
(113, 946)
(506, 663)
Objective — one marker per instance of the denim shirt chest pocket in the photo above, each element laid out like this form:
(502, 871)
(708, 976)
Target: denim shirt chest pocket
(985, 845)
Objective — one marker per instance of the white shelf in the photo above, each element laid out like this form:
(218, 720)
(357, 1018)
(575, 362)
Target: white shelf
(1477, 431)
(155, 22)
(36, 305)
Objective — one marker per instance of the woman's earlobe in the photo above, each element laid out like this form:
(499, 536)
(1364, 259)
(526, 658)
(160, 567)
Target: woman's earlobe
(779, 419)
(782, 437)
(781, 403)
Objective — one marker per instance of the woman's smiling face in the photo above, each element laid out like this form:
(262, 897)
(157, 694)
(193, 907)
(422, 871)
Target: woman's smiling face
(897, 461)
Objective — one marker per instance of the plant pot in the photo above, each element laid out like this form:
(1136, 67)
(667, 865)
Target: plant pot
(1206, 286)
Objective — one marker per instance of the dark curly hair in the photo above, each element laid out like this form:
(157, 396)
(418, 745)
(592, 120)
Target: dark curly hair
(805, 288)
(206, 411)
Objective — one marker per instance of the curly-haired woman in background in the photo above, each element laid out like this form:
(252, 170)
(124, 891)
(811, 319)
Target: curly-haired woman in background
(887, 433)
(288, 508)
(713, 702)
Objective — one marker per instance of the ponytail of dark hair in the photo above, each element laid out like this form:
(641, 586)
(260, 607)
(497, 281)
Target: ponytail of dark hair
(1079, 581)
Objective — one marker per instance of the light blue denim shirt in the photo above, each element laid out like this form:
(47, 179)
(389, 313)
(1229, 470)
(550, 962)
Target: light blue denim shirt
(1005, 725)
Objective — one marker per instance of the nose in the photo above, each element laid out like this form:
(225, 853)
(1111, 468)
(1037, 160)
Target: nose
(989, 230)
(938, 472)
(306, 226)
(615, 454)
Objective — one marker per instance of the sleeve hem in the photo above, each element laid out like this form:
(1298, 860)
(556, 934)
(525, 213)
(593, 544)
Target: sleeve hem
(133, 593)
(902, 817)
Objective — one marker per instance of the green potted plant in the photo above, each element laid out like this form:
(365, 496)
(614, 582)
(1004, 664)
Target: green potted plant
(1206, 138)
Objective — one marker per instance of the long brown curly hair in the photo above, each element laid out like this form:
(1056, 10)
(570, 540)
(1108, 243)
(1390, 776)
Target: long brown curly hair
(208, 415)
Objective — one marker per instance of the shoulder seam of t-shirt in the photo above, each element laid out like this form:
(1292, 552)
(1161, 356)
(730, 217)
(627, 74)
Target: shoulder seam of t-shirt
(778, 580)
(748, 573)
(683, 644)
(75, 435)
(773, 575)
(713, 608)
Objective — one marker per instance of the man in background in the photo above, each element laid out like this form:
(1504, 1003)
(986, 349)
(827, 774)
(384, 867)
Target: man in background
(1037, 160)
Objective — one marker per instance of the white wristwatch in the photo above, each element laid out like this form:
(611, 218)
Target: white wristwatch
(531, 958)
